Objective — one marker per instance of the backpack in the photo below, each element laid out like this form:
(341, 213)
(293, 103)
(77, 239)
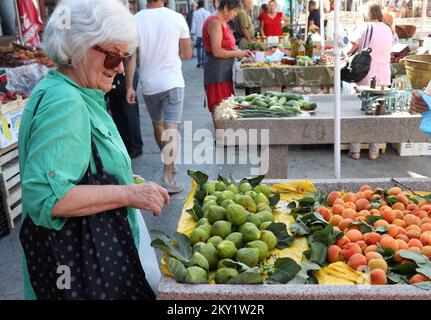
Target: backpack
(358, 65)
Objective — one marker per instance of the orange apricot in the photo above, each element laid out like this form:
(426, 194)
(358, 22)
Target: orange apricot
(337, 209)
(344, 223)
(378, 263)
(388, 214)
(378, 276)
(398, 206)
(334, 254)
(383, 208)
(425, 238)
(342, 242)
(362, 244)
(422, 202)
(399, 223)
(394, 191)
(389, 242)
(359, 195)
(361, 204)
(425, 227)
(365, 187)
(412, 207)
(426, 207)
(403, 237)
(338, 201)
(360, 218)
(332, 197)
(415, 243)
(350, 249)
(364, 213)
(415, 249)
(371, 248)
(402, 245)
(425, 220)
(324, 212)
(411, 219)
(392, 230)
(357, 260)
(413, 234)
(354, 235)
(426, 251)
(381, 223)
(418, 278)
(349, 197)
(401, 230)
(414, 227)
(335, 220)
(350, 205)
(372, 237)
(368, 194)
(398, 214)
(375, 212)
(373, 255)
(403, 199)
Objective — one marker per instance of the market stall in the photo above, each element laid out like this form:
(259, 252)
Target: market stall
(282, 239)
(318, 128)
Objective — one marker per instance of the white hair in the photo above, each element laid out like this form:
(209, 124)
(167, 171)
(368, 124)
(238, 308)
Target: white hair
(77, 25)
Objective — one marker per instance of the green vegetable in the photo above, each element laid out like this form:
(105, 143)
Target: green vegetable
(250, 97)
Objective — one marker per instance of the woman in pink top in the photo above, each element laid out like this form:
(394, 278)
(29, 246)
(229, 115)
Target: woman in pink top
(379, 39)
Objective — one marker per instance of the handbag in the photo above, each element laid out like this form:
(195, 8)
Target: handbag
(358, 65)
(98, 250)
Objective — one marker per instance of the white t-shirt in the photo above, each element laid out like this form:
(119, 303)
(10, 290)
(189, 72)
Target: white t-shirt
(199, 17)
(160, 31)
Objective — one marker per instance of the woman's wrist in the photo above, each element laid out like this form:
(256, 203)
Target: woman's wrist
(127, 195)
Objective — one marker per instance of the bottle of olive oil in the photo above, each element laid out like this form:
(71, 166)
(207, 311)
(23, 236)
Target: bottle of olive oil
(309, 46)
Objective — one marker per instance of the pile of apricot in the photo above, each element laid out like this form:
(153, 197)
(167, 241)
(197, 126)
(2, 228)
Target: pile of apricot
(407, 226)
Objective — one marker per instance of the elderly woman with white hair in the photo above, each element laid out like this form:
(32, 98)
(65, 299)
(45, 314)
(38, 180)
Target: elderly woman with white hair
(81, 232)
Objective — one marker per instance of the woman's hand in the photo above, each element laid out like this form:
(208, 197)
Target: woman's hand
(240, 54)
(148, 196)
(131, 96)
(418, 104)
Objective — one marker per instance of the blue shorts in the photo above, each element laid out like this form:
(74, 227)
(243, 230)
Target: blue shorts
(166, 106)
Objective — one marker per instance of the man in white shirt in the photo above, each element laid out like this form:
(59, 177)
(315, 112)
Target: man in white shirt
(164, 40)
(199, 17)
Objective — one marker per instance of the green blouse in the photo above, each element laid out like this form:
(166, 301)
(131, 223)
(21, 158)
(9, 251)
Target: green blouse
(55, 150)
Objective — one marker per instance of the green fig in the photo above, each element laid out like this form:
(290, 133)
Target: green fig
(226, 249)
(261, 198)
(269, 238)
(220, 186)
(199, 260)
(245, 187)
(253, 218)
(265, 216)
(249, 232)
(196, 275)
(223, 275)
(215, 240)
(198, 235)
(226, 203)
(208, 205)
(248, 256)
(216, 213)
(209, 187)
(261, 246)
(263, 207)
(220, 264)
(236, 214)
(210, 253)
(206, 227)
(202, 221)
(249, 204)
(251, 194)
(233, 188)
(262, 188)
(265, 225)
(210, 197)
(221, 228)
(225, 195)
(238, 197)
(236, 238)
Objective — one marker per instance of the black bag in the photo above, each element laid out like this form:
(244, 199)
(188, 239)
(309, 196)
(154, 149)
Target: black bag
(98, 250)
(358, 65)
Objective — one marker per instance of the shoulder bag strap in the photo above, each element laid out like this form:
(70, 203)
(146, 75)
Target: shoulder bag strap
(371, 35)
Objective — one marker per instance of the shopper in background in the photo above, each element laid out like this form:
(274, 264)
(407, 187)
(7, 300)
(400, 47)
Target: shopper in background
(199, 17)
(313, 17)
(189, 18)
(164, 40)
(78, 192)
(375, 34)
(263, 10)
(244, 25)
(219, 44)
(273, 22)
(388, 19)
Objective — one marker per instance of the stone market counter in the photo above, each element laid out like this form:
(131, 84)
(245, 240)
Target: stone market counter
(319, 129)
(169, 289)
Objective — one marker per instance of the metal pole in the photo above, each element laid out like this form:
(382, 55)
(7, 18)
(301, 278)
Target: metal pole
(337, 91)
(322, 24)
(291, 12)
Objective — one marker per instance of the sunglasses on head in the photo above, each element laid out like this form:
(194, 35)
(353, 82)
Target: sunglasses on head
(112, 59)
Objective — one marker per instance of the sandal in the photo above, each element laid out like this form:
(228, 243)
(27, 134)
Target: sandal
(354, 155)
(172, 187)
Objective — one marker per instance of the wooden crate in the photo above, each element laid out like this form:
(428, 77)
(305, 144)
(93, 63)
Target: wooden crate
(365, 146)
(10, 183)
